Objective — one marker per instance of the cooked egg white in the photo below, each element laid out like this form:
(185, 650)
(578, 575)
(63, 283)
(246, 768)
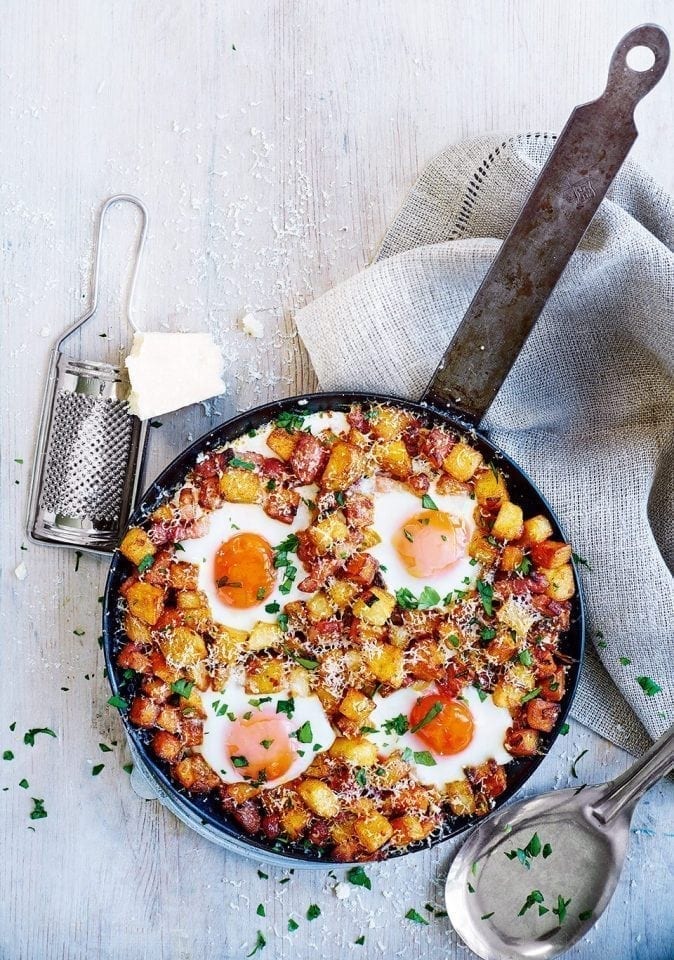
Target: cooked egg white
(333, 420)
(392, 508)
(491, 724)
(306, 731)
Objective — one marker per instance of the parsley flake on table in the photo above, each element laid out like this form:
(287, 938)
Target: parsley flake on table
(38, 812)
(360, 940)
(534, 897)
(95, 770)
(260, 944)
(261, 912)
(8, 755)
(24, 783)
(29, 736)
(358, 877)
(649, 686)
(292, 925)
(415, 917)
(313, 911)
(573, 765)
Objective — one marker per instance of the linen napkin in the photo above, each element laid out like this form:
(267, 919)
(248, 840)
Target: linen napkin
(587, 409)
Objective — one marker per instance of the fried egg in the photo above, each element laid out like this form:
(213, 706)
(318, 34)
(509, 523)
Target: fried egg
(450, 734)
(266, 740)
(236, 563)
(315, 423)
(424, 546)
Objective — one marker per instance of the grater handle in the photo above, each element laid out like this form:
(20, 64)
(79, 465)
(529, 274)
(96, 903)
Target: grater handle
(98, 242)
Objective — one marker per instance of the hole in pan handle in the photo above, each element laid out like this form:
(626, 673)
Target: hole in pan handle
(584, 162)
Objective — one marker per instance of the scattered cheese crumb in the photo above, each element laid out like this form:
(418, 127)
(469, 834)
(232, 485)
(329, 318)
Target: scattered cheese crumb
(253, 326)
(21, 572)
(342, 890)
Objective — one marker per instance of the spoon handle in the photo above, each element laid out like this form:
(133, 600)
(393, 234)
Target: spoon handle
(625, 790)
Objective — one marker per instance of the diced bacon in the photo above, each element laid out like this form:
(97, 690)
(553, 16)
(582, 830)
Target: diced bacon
(309, 458)
(357, 419)
(437, 445)
(274, 468)
(282, 505)
(359, 510)
(162, 532)
(188, 504)
(419, 482)
(361, 568)
(209, 494)
(324, 632)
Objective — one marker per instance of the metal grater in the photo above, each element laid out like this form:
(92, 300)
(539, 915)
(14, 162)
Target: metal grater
(89, 455)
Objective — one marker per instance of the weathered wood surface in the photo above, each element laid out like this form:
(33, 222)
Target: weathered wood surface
(272, 142)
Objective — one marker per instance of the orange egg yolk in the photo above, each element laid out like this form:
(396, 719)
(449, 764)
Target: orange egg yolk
(445, 725)
(430, 542)
(259, 747)
(244, 570)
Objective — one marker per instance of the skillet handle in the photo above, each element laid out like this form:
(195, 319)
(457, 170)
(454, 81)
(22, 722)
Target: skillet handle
(586, 158)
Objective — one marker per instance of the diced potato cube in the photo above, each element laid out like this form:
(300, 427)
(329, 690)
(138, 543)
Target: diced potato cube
(562, 585)
(166, 746)
(407, 829)
(506, 694)
(182, 647)
(375, 606)
(265, 636)
(227, 643)
(183, 575)
(502, 648)
(399, 635)
(136, 545)
(388, 422)
(359, 751)
(319, 607)
(522, 743)
(191, 599)
(266, 677)
(356, 706)
(511, 558)
(459, 796)
(318, 796)
(509, 522)
(551, 553)
(386, 663)
(373, 832)
(282, 443)
(299, 681)
(328, 531)
(240, 792)
(342, 592)
(136, 630)
(490, 489)
(161, 669)
(481, 549)
(358, 439)
(345, 466)
(462, 461)
(536, 529)
(194, 774)
(370, 538)
(145, 601)
(143, 712)
(132, 657)
(516, 616)
(163, 514)
(294, 822)
(241, 486)
(392, 457)
(523, 676)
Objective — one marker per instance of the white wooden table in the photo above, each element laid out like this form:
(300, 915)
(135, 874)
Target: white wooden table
(272, 142)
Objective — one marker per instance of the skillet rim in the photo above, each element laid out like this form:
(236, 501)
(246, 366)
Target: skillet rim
(187, 807)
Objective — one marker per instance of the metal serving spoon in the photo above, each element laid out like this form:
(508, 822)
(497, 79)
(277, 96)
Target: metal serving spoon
(535, 877)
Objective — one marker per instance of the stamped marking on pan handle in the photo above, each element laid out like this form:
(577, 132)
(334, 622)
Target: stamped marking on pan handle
(586, 158)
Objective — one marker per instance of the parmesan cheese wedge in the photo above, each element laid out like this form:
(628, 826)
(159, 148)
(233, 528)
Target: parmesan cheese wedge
(172, 370)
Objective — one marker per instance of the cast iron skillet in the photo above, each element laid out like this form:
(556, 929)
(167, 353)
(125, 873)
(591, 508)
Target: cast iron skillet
(573, 182)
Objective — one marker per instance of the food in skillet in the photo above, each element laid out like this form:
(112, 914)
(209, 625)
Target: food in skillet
(346, 630)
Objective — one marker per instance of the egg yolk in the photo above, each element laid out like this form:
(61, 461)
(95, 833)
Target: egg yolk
(244, 570)
(259, 747)
(445, 725)
(430, 542)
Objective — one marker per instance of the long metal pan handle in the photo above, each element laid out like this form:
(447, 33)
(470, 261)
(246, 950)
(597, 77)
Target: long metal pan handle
(586, 157)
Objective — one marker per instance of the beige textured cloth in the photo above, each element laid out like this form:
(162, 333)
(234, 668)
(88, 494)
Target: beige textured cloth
(588, 408)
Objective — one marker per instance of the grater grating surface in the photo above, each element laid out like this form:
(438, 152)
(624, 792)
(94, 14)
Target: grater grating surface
(89, 450)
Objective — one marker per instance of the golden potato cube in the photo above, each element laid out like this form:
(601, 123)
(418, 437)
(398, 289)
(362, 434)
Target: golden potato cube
(136, 630)
(356, 706)
(502, 648)
(265, 636)
(462, 461)
(388, 422)
(342, 592)
(551, 553)
(294, 822)
(240, 792)
(227, 643)
(459, 796)
(182, 647)
(358, 439)
(386, 663)
(373, 832)
(319, 607)
(327, 532)
(524, 677)
(407, 829)
(509, 522)
(399, 635)
(282, 443)
(241, 486)
(163, 514)
(375, 607)
(145, 601)
(357, 750)
(318, 796)
(392, 456)
(391, 770)
(345, 465)
(490, 487)
(136, 545)
(511, 558)
(299, 682)
(562, 585)
(191, 600)
(370, 538)
(266, 677)
(481, 549)
(507, 695)
(536, 529)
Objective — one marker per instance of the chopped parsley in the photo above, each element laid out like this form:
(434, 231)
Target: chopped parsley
(583, 563)
(290, 420)
(526, 854)
(360, 940)
(649, 686)
(29, 736)
(118, 702)
(573, 765)
(428, 503)
(415, 917)
(272, 608)
(260, 910)
(534, 897)
(78, 557)
(482, 694)
(145, 563)
(313, 911)
(564, 729)
(266, 744)
(286, 706)
(531, 695)
(560, 909)
(24, 783)
(486, 592)
(525, 658)
(397, 725)
(431, 714)
(408, 535)
(239, 761)
(262, 875)
(487, 633)
(281, 560)
(624, 661)
(260, 944)
(423, 757)
(38, 812)
(406, 599)
(104, 748)
(183, 688)
(303, 661)
(487, 916)
(292, 925)
(524, 566)
(428, 598)
(95, 770)
(241, 464)
(304, 733)
(585, 915)
(358, 877)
